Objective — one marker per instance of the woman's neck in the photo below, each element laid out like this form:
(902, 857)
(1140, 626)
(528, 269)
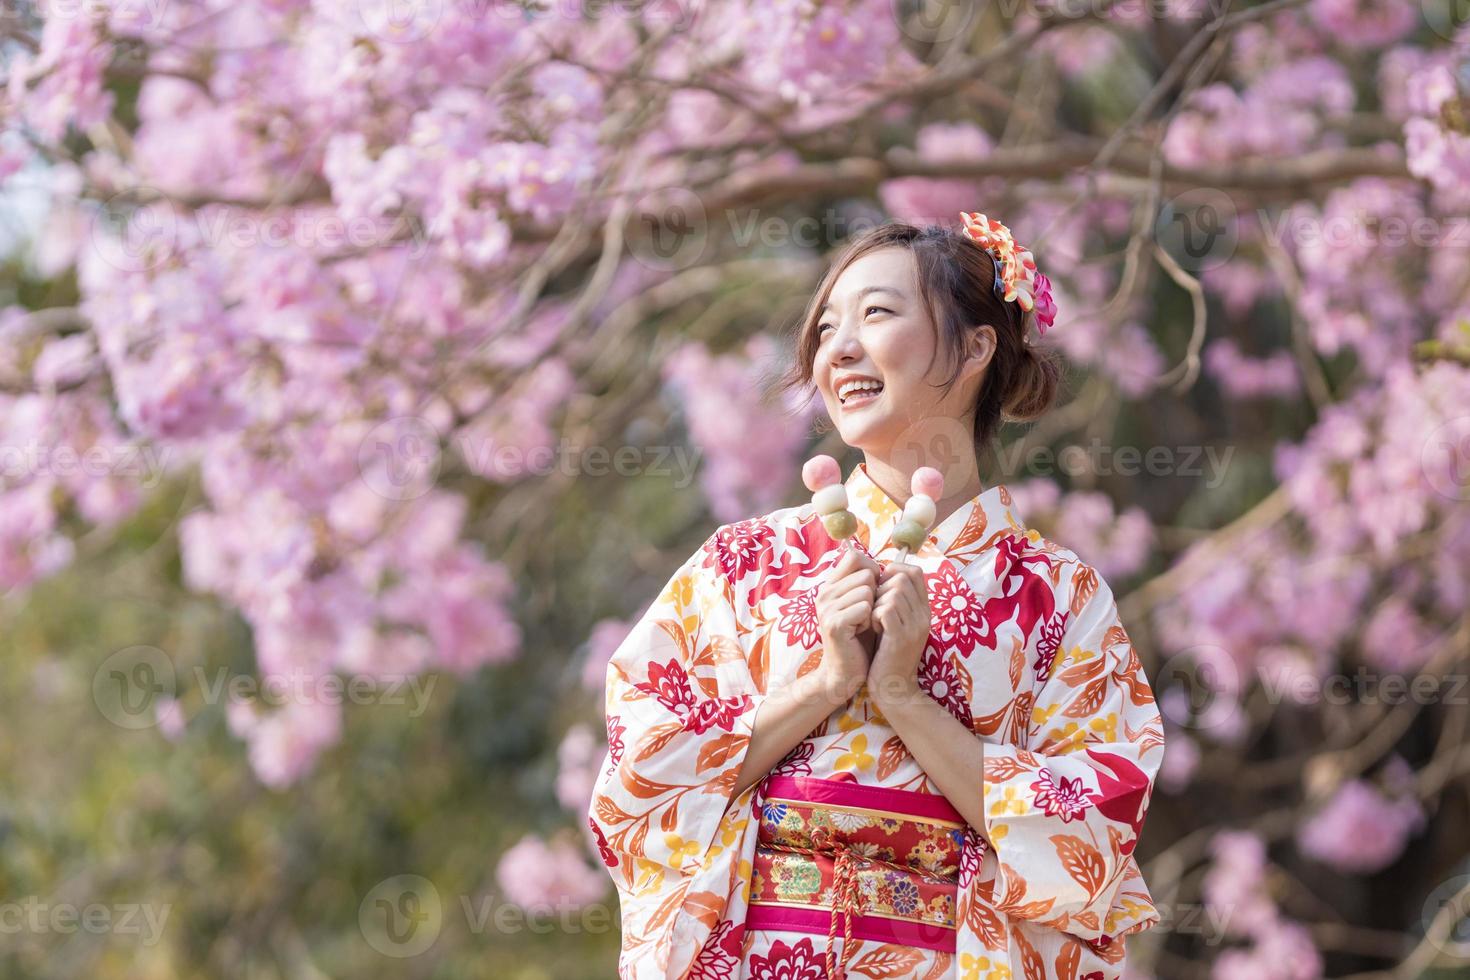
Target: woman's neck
(894, 480)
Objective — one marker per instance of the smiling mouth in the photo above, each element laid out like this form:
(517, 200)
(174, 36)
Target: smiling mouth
(860, 397)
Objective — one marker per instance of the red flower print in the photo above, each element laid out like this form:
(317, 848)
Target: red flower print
(957, 612)
(808, 554)
(799, 619)
(615, 732)
(972, 852)
(720, 955)
(716, 713)
(1068, 801)
(799, 962)
(742, 548)
(670, 684)
(798, 761)
(608, 857)
(1049, 644)
(939, 677)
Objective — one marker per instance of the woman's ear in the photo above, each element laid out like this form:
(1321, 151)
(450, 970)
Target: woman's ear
(980, 349)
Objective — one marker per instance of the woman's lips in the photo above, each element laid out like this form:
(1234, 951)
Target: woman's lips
(860, 398)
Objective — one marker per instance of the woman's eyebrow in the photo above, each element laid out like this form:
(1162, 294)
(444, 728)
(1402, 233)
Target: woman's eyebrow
(865, 291)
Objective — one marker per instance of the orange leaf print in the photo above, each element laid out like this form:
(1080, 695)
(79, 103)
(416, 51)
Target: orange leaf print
(986, 923)
(1088, 920)
(1084, 586)
(888, 961)
(1002, 769)
(724, 783)
(720, 650)
(941, 966)
(1018, 661)
(609, 812)
(1032, 964)
(676, 630)
(760, 661)
(1082, 861)
(1115, 636)
(1068, 960)
(719, 751)
(706, 907)
(644, 789)
(892, 753)
(1089, 701)
(811, 663)
(668, 822)
(656, 738)
(670, 905)
(1089, 669)
(1015, 887)
(973, 530)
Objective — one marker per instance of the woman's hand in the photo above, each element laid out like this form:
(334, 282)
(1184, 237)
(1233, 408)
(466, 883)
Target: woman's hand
(845, 621)
(901, 618)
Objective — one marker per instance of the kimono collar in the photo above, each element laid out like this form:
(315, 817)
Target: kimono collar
(974, 523)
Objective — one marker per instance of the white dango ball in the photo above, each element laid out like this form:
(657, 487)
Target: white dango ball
(920, 509)
(830, 499)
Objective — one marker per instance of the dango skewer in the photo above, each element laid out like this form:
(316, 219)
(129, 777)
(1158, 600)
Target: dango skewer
(926, 487)
(823, 477)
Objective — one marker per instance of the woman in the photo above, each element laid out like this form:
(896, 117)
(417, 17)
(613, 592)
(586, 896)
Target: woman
(824, 762)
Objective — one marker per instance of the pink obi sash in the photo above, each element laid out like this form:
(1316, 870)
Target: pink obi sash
(885, 862)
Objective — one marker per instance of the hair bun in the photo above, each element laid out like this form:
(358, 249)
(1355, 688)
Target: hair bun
(1033, 384)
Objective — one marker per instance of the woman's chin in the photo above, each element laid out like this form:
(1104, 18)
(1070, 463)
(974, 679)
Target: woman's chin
(859, 434)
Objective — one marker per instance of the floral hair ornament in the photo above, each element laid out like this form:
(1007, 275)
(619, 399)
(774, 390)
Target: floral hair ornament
(1016, 278)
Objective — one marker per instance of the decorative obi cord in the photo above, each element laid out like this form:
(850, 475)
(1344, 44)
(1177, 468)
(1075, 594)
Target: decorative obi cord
(882, 862)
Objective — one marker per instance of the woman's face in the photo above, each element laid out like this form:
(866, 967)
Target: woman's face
(875, 364)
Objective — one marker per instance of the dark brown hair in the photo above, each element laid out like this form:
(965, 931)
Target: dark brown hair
(956, 284)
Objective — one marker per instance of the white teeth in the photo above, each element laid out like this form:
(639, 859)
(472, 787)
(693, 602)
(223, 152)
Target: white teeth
(848, 387)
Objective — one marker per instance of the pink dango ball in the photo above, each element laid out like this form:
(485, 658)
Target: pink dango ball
(819, 472)
(928, 481)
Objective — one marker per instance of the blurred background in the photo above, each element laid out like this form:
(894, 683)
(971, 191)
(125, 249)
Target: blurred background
(367, 367)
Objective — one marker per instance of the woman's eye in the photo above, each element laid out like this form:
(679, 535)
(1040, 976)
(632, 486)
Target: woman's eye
(880, 309)
(824, 326)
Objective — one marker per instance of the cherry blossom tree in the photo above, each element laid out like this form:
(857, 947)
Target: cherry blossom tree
(371, 286)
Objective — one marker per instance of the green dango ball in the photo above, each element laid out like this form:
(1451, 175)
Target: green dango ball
(909, 534)
(842, 524)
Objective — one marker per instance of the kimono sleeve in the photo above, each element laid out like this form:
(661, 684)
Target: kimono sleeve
(681, 701)
(1064, 814)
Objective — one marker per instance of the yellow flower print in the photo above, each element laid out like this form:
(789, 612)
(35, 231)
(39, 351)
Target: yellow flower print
(1010, 802)
(848, 723)
(747, 879)
(1068, 738)
(681, 591)
(981, 968)
(648, 876)
(878, 502)
(1106, 727)
(1040, 716)
(1129, 912)
(857, 757)
(679, 849)
(1076, 655)
(729, 832)
(998, 832)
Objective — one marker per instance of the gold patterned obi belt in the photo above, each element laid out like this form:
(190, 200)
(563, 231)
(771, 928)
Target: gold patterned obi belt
(885, 862)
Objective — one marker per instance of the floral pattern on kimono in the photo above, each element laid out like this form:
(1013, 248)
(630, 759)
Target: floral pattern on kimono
(1026, 649)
